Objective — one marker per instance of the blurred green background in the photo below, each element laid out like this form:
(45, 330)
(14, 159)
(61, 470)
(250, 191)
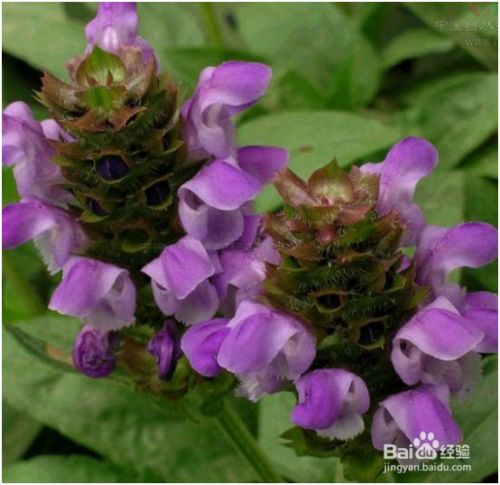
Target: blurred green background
(350, 79)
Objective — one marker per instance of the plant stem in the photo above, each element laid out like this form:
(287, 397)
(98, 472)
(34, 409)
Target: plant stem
(21, 286)
(211, 25)
(245, 444)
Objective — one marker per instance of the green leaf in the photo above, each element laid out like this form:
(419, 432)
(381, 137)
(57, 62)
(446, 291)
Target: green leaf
(317, 41)
(414, 43)
(19, 84)
(478, 420)
(479, 42)
(483, 161)
(119, 423)
(314, 139)
(66, 469)
(18, 432)
(186, 63)
(460, 117)
(274, 420)
(42, 35)
(168, 25)
(480, 193)
(434, 193)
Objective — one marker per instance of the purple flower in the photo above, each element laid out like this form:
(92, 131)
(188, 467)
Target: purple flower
(93, 352)
(265, 348)
(481, 308)
(222, 92)
(25, 146)
(436, 346)
(441, 250)
(165, 347)
(179, 278)
(102, 294)
(401, 418)
(331, 401)
(201, 344)
(115, 26)
(214, 203)
(243, 271)
(55, 232)
(406, 163)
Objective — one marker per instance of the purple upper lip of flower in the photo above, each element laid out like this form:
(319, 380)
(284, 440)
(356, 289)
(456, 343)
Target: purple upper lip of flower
(332, 402)
(25, 145)
(222, 92)
(405, 165)
(114, 27)
(106, 304)
(402, 417)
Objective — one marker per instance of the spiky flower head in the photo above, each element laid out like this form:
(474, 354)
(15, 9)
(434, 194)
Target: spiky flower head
(373, 342)
(142, 201)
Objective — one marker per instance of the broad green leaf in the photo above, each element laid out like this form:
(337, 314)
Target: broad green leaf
(370, 17)
(274, 420)
(18, 432)
(452, 18)
(478, 420)
(434, 194)
(119, 423)
(42, 35)
(483, 161)
(414, 43)
(19, 83)
(295, 92)
(315, 138)
(418, 92)
(317, 41)
(168, 25)
(66, 469)
(459, 118)
(480, 193)
(186, 63)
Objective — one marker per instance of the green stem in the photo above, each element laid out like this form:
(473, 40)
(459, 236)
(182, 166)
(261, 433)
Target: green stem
(245, 444)
(22, 287)
(211, 25)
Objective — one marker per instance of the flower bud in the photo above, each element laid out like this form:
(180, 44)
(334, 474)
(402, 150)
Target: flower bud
(93, 352)
(165, 347)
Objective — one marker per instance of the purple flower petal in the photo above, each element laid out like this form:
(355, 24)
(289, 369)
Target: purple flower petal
(100, 293)
(93, 352)
(240, 279)
(209, 203)
(441, 250)
(186, 264)
(265, 348)
(262, 162)
(115, 26)
(166, 348)
(406, 163)
(222, 92)
(402, 417)
(331, 401)
(481, 308)
(55, 231)
(432, 334)
(25, 146)
(201, 344)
